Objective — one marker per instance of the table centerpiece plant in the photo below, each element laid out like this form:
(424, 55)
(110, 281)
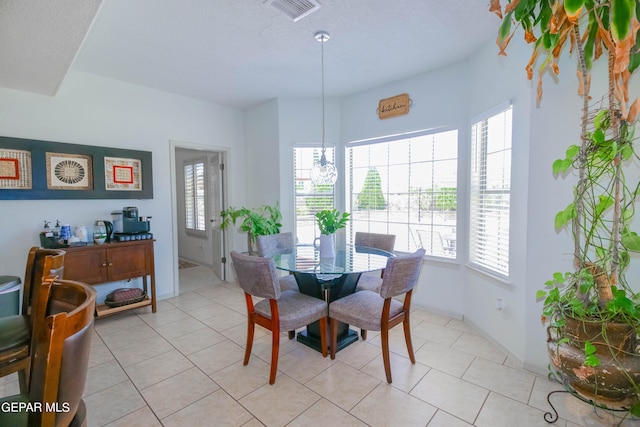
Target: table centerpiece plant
(592, 313)
(329, 221)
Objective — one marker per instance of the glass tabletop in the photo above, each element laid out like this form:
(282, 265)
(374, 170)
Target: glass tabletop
(348, 259)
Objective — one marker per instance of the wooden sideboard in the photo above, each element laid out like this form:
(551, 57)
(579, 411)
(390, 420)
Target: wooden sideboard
(95, 264)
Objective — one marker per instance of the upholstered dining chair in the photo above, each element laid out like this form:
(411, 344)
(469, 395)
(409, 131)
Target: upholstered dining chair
(372, 281)
(63, 323)
(277, 311)
(272, 243)
(386, 242)
(381, 311)
(15, 331)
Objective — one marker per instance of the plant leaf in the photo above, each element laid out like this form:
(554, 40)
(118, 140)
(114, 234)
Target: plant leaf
(631, 241)
(621, 13)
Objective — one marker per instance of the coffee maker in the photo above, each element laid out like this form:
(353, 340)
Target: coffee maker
(133, 226)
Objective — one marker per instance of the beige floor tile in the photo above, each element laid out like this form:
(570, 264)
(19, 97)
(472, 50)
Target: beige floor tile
(436, 333)
(180, 328)
(479, 346)
(196, 341)
(388, 406)
(113, 324)
(451, 394)
(215, 292)
(352, 384)
(404, 374)
(500, 411)
(358, 354)
(278, 404)
(217, 409)
(174, 393)
(143, 417)
(303, 363)
(218, 356)
(189, 301)
(9, 385)
(451, 361)
(325, 413)
(162, 317)
(104, 376)
(262, 345)
(509, 382)
(437, 318)
(127, 337)
(239, 380)
(443, 419)
(158, 368)
(141, 350)
(226, 321)
(210, 310)
(112, 403)
(99, 352)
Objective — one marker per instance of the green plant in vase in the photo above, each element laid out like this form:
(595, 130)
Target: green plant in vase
(260, 221)
(331, 220)
(592, 313)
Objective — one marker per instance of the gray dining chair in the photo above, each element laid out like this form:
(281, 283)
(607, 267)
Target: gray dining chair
(278, 310)
(272, 243)
(381, 311)
(372, 281)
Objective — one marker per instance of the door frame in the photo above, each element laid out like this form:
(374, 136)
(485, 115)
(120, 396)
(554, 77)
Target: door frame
(173, 145)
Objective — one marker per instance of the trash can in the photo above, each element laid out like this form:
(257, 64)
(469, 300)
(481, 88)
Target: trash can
(9, 295)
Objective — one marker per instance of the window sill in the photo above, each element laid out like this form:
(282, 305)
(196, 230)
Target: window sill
(499, 281)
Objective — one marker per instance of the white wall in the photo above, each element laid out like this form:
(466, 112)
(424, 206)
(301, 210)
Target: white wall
(92, 110)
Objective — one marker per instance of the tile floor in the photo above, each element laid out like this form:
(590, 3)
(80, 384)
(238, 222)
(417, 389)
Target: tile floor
(182, 366)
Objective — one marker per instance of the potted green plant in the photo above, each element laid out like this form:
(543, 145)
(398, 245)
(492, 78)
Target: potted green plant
(592, 314)
(260, 221)
(329, 221)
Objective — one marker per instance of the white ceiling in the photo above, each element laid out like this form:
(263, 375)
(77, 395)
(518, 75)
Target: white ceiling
(237, 53)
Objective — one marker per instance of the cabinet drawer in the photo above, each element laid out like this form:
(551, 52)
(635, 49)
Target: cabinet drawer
(127, 262)
(88, 266)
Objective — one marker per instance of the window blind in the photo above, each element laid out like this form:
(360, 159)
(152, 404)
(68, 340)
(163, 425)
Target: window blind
(490, 192)
(194, 191)
(309, 197)
(408, 187)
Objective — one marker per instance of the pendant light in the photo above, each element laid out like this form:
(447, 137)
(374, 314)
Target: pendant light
(323, 171)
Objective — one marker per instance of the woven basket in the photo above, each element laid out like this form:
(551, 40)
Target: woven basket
(124, 296)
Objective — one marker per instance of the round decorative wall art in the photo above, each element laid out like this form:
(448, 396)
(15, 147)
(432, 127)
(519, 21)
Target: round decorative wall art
(69, 172)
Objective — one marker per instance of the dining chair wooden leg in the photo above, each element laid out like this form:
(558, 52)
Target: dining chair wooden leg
(23, 380)
(323, 336)
(363, 334)
(334, 337)
(250, 329)
(292, 334)
(407, 337)
(384, 336)
(275, 349)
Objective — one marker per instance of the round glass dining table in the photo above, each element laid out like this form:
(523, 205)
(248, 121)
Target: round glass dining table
(329, 279)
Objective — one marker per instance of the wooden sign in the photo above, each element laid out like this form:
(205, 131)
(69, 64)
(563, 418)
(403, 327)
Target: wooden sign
(395, 106)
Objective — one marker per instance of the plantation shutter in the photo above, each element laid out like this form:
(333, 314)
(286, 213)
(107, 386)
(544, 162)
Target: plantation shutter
(194, 191)
(490, 192)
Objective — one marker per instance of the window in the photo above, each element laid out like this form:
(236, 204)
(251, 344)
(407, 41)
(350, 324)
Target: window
(490, 192)
(407, 187)
(309, 198)
(194, 195)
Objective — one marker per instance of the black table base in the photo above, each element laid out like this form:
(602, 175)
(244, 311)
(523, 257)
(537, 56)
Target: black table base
(328, 290)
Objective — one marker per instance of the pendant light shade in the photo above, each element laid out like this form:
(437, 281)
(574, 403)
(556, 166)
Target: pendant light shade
(323, 171)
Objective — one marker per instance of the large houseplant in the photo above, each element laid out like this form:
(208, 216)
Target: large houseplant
(582, 308)
(260, 221)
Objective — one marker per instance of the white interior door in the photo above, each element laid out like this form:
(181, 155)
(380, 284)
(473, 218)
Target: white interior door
(216, 185)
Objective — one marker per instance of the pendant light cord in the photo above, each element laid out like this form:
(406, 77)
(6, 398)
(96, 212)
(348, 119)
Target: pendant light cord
(322, 65)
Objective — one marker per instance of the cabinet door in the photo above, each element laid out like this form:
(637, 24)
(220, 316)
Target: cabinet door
(127, 262)
(88, 266)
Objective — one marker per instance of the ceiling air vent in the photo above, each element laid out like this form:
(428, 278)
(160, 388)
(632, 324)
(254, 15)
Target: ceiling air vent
(295, 9)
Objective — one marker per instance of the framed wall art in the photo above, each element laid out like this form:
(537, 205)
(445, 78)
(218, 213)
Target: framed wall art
(69, 172)
(15, 169)
(122, 174)
(35, 169)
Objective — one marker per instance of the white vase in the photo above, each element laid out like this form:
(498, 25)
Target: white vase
(326, 245)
